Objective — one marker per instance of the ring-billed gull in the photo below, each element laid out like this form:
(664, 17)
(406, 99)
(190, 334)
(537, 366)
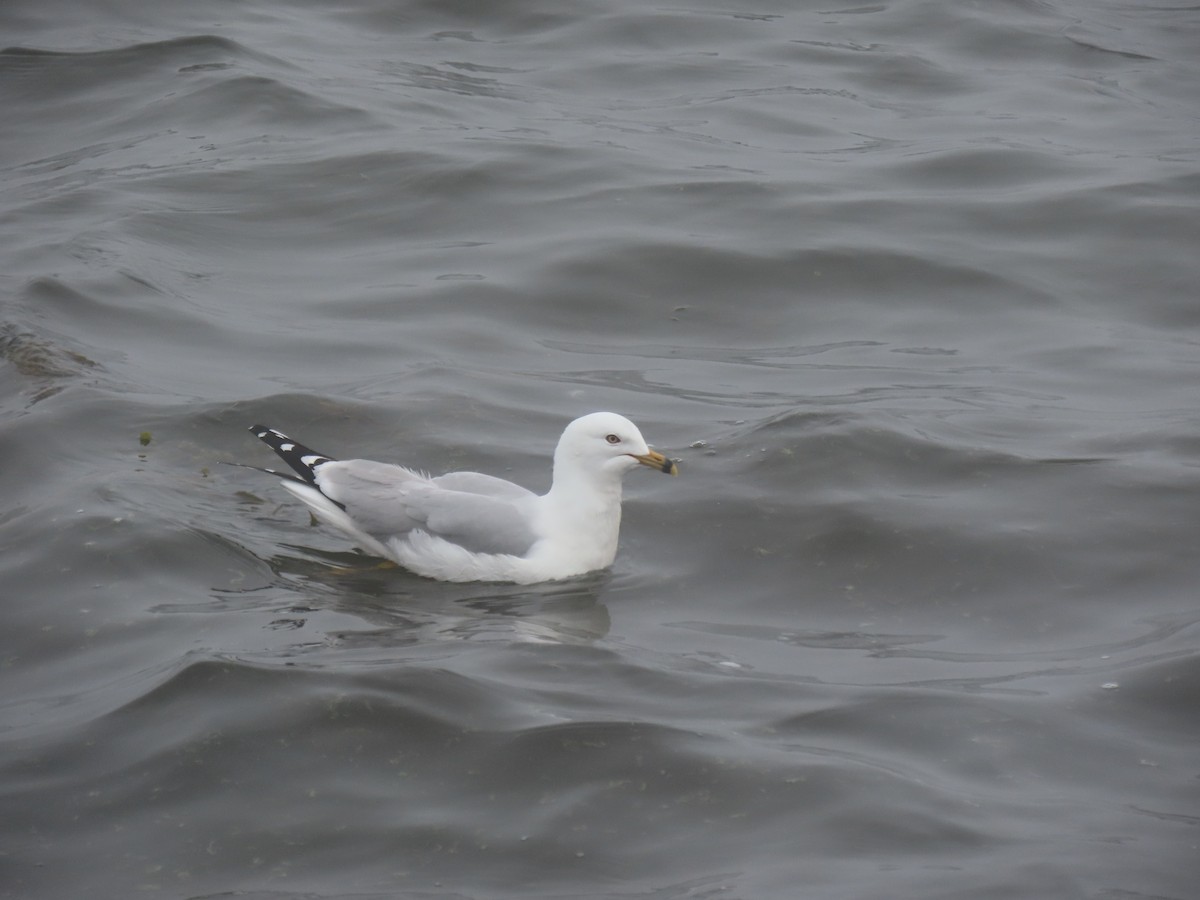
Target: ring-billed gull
(465, 526)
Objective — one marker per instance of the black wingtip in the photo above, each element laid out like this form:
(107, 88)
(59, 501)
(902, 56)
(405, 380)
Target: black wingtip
(302, 460)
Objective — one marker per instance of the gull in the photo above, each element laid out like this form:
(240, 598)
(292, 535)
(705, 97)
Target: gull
(467, 526)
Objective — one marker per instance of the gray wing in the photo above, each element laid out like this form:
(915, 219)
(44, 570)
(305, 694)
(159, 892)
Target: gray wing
(478, 483)
(386, 501)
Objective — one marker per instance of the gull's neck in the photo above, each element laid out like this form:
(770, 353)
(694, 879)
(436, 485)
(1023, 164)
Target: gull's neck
(572, 483)
(583, 511)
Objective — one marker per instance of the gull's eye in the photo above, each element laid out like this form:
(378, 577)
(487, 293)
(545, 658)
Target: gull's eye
(613, 439)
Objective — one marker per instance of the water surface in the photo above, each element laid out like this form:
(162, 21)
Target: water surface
(908, 288)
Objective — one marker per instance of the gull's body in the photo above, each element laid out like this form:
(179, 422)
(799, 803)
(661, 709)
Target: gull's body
(466, 526)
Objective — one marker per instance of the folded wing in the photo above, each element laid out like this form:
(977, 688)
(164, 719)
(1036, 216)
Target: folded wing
(478, 512)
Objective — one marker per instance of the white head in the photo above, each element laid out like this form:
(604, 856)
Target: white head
(605, 442)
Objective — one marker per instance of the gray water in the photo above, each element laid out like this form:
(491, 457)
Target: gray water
(909, 289)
